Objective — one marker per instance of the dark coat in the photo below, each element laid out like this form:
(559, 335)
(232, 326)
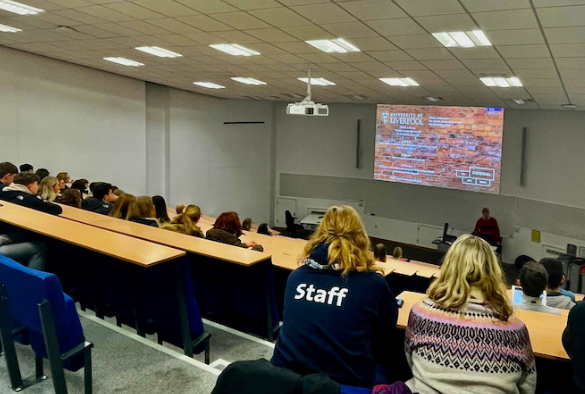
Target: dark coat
(223, 236)
(96, 205)
(30, 201)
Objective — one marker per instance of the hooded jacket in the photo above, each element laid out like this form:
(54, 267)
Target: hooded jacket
(20, 195)
(96, 205)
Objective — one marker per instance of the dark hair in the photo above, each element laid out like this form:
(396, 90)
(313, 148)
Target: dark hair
(71, 197)
(521, 260)
(79, 185)
(554, 269)
(25, 178)
(26, 167)
(247, 224)
(230, 222)
(101, 189)
(485, 210)
(42, 173)
(533, 279)
(6, 168)
(380, 252)
(161, 209)
(263, 229)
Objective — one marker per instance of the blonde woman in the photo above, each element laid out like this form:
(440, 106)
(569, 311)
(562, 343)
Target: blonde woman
(143, 212)
(49, 188)
(463, 337)
(334, 303)
(186, 222)
(123, 207)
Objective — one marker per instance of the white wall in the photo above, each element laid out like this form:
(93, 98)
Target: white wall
(70, 118)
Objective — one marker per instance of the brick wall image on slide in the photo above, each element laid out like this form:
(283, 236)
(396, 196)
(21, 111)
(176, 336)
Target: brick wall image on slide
(450, 147)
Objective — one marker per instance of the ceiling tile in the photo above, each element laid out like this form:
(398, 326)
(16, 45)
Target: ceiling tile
(562, 16)
(557, 3)
(203, 38)
(264, 49)
(418, 41)
(568, 50)
(339, 67)
(118, 29)
(95, 31)
(271, 35)
(166, 7)
(253, 4)
(353, 57)
(324, 13)
(281, 17)
(516, 37)
(541, 82)
(356, 75)
(535, 73)
(531, 63)
(524, 51)
(571, 63)
(27, 21)
(396, 27)
(105, 13)
(440, 23)
(62, 21)
(427, 8)
(372, 66)
(373, 44)
(241, 20)
(237, 37)
(475, 53)
(173, 25)
(296, 47)
(287, 58)
(494, 5)
(485, 64)
(176, 39)
(350, 30)
(405, 65)
(208, 6)
(318, 57)
(134, 10)
(388, 56)
(504, 20)
(205, 23)
(145, 28)
(79, 17)
(565, 35)
(430, 54)
(451, 64)
(305, 33)
(368, 10)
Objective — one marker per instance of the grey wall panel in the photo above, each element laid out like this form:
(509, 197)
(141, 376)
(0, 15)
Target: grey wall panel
(324, 187)
(551, 218)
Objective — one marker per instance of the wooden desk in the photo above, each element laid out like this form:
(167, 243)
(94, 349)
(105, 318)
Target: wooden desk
(579, 297)
(545, 329)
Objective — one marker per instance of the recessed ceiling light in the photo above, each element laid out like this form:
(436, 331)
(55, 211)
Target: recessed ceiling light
(399, 81)
(464, 39)
(433, 99)
(569, 106)
(248, 81)
(123, 61)
(317, 81)
(519, 101)
(19, 8)
(235, 50)
(158, 51)
(339, 45)
(9, 29)
(209, 85)
(501, 82)
(356, 97)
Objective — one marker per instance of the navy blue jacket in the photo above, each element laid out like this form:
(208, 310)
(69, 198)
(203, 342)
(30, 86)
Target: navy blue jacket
(574, 343)
(96, 205)
(30, 201)
(330, 323)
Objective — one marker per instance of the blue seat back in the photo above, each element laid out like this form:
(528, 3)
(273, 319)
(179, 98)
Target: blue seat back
(354, 390)
(26, 288)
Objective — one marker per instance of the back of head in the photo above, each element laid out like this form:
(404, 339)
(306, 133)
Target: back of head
(26, 168)
(397, 253)
(101, 189)
(471, 263)
(80, 185)
(46, 188)
(554, 269)
(123, 207)
(247, 224)
(7, 168)
(380, 252)
(521, 260)
(349, 245)
(25, 178)
(263, 229)
(42, 173)
(230, 222)
(62, 176)
(160, 206)
(186, 222)
(71, 197)
(143, 208)
(533, 279)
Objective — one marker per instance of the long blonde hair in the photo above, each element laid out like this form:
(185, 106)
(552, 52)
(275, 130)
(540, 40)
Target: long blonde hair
(471, 262)
(186, 222)
(349, 245)
(46, 188)
(123, 207)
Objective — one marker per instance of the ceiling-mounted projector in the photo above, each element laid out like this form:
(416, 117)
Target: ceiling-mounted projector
(307, 107)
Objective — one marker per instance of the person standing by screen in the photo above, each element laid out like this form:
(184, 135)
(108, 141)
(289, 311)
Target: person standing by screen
(488, 226)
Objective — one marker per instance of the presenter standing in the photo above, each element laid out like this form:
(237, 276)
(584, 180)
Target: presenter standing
(488, 227)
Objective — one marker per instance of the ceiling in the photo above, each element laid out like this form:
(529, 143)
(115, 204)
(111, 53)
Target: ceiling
(542, 42)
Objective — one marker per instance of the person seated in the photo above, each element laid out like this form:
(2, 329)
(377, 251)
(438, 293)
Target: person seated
(27, 168)
(49, 188)
(264, 229)
(101, 200)
(464, 337)
(143, 212)
(186, 222)
(335, 304)
(82, 186)
(397, 254)
(160, 206)
(180, 208)
(42, 173)
(380, 253)
(556, 278)
(7, 173)
(18, 247)
(23, 191)
(247, 224)
(487, 226)
(123, 207)
(533, 279)
(70, 197)
(228, 229)
(64, 180)
(574, 344)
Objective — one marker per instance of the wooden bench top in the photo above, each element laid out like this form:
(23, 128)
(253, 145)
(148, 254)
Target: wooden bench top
(124, 248)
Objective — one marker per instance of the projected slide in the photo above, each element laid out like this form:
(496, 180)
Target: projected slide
(450, 147)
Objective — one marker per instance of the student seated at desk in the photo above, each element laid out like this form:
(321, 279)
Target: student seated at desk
(82, 186)
(228, 229)
(186, 222)
(143, 212)
(336, 306)
(556, 278)
(574, 344)
(20, 247)
(7, 173)
(49, 188)
(42, 173)
(102, 198)
(463, 337)
(71, 197)
(160, 205)
(380, 253)
(533, 279)
(123, 207)
(23, 191)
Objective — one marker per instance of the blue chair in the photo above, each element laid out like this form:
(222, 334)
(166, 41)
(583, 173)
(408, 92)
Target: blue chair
(354, 390)
(33, 305)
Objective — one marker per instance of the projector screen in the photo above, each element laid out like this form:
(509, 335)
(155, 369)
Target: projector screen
(450, 147)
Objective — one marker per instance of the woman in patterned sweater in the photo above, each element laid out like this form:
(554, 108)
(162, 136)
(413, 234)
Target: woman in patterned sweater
(463, 337)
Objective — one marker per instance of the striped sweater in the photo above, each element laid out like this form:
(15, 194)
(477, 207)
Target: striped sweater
(467, 351)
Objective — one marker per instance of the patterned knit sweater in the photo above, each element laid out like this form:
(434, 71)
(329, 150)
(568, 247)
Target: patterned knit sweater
(467, 351)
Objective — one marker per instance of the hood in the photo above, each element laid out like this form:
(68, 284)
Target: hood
(16, 188)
